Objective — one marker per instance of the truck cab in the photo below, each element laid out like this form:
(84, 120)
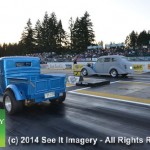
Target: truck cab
(21, 82)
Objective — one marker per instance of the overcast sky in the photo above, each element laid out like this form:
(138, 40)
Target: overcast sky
(112, 20)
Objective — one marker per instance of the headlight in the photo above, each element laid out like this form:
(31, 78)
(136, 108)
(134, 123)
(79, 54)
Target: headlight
(131, 67)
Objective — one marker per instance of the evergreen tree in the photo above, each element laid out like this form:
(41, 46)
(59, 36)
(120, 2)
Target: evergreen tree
(83, 34)
(87, 28)
(53, 31)
(61, 39)
(127, 42)
(1, 51)
(71, 25)
(142, 39)
(39, 45)
(76, 35)
(131, 40)
(49, 33)
(45, 33)
(27, 39)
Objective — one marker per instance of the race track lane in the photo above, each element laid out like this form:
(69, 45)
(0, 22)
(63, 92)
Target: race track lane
(81, 116)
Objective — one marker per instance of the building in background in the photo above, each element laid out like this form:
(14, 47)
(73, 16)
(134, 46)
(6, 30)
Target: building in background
(114, 46)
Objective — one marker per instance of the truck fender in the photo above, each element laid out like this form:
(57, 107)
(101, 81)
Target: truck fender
(16, 91)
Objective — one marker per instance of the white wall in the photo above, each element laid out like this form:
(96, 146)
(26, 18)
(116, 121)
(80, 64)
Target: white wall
(143, 66)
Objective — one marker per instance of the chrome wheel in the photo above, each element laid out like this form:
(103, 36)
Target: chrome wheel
(84, 72)
(114, 73)
(8, 104)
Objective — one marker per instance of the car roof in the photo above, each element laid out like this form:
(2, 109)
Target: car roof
(112, 56)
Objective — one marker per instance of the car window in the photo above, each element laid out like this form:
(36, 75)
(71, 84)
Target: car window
(124, 58)
(114, 59)
(23, 64)
(100, 60)
(107, 59)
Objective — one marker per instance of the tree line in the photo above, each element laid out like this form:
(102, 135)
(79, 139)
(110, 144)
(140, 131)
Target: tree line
(48, 35)
(138, 41)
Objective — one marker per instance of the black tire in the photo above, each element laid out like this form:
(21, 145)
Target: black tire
(113, 73)
(54, 101)
(10, 103)
(124, 75)
(84, 72)
(62, 98)
(59, 100)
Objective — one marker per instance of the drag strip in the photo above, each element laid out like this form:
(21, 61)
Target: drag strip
(126, 91)
(88, 120)
(82, 117)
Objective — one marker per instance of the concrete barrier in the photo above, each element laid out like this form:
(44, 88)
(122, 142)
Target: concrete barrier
(138, 66)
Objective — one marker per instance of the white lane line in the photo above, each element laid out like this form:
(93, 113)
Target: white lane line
(145, 78)
(113, 99)
(79, 89)
(70, 85)
(137, 81)
(115, 82)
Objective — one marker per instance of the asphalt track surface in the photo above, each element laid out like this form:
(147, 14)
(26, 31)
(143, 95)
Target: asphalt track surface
(83, 116)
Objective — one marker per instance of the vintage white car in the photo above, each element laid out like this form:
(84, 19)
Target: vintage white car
(112, 65)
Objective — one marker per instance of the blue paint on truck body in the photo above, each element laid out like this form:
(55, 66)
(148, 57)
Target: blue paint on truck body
(21, 75)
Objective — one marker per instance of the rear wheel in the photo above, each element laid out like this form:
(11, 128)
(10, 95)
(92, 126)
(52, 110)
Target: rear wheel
(113, 73)
(59, 100)
(84, 72)
(62, 98)
(10, 103)
(54, 101)
(124, 75)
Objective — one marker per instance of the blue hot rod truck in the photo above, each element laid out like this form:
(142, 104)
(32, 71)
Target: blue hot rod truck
(21, 82)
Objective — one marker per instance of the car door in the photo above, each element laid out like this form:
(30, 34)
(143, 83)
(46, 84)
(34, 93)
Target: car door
(107, 63)
(99, 65)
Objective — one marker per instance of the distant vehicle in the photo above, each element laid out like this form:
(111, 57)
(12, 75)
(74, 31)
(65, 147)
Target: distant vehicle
(21, 82)
(112, 65)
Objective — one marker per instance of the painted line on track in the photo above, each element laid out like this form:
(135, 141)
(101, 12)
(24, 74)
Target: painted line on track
(113, 97)
(114, 82)
(70, 85)
(141, 81)
(136, 82)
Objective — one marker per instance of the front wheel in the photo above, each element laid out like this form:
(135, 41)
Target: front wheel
(10, 103)
(84, 72)
(113, 73)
